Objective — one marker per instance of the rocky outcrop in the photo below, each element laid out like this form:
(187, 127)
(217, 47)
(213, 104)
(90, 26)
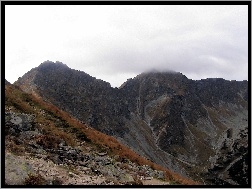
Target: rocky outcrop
(163, 116)
(231, 161)
(62, 164)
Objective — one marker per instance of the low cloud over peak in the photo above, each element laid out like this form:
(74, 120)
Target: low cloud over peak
(114, 43)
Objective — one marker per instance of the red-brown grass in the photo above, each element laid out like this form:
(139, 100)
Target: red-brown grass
(94, 136)
(114, 146)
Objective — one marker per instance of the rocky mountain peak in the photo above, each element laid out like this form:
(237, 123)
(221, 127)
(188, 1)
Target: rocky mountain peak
(163, 116)
(51, 65)
(7, 82)
(159, 74)
(158, 78)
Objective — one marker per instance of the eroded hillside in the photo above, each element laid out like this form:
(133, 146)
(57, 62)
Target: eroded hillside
(198, 129)
(46, 146)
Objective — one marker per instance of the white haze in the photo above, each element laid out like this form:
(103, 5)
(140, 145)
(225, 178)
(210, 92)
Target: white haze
(114, 43)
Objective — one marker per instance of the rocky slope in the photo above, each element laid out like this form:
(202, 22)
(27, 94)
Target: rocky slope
(196, 128)
(71, 90)
(46, 146)
(192, 121)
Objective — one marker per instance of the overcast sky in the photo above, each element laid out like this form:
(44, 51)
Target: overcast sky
(114, 43)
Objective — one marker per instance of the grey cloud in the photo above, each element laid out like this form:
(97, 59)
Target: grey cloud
(117, 42)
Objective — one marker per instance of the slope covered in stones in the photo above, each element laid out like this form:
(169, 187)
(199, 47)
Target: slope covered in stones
(192, 121)
(46, 146)
(176, 122)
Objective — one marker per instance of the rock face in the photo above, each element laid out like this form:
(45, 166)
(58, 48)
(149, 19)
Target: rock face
(76, 92)
(196, 128)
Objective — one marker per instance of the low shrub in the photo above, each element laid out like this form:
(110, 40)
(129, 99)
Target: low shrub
(48, 141)
(35, 180)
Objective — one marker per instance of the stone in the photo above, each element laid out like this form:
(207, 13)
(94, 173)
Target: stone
(56, 159)
(126, 178)
(148, 178)
(102, 153)
(81, 163)
(29, 135)
(161, 175)
(16, 170)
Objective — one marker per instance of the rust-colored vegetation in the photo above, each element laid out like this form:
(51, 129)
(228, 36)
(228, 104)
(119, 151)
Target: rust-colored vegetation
(68, 127)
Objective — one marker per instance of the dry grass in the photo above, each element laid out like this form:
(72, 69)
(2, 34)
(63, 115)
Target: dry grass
(48, 141)
(115, 148)
(16, 98)
(13, 147)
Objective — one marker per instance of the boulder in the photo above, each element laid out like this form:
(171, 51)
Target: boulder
(160, 175)
(16, 170)
(17, 123)
(126, 178)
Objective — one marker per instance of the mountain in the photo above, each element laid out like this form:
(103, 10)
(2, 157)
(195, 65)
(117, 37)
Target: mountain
(46, 146)
(7, 82)
(198, 129)
(78, 93)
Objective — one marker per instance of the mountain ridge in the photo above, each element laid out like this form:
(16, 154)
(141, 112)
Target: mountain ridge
(59, 64)
(163, 116)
